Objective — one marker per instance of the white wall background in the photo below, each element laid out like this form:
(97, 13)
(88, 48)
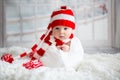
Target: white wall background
(85, 30)
(117, 28)
(1, 23)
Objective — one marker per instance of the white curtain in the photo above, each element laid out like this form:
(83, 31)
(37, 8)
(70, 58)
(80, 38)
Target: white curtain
(117, 31)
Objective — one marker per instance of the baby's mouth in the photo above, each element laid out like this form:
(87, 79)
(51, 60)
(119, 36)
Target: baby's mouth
(62, 37)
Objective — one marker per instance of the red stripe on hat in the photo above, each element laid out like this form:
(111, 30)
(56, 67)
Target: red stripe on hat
(62, 22)
(68, 11)
(49, 26)
(34, 47)
(71, 36)
(41, 38)
(48, 42)
(23, 54)
(63, 7)
(41, 52)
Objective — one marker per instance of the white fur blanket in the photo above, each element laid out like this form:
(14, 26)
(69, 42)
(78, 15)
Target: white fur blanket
(93, 67)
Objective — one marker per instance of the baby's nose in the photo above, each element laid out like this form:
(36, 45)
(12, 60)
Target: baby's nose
(61, 31)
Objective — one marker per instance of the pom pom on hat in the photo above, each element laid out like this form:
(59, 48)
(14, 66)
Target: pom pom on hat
(7, 58)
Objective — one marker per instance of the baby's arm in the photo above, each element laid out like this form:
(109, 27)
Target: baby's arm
(76, 53)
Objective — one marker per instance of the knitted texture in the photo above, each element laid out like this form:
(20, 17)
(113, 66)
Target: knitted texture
(7, 58)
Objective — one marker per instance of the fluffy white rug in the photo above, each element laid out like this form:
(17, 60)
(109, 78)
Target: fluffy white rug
(98, 66)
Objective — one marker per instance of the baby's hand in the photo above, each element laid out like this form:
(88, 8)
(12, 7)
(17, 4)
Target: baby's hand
(64, 47)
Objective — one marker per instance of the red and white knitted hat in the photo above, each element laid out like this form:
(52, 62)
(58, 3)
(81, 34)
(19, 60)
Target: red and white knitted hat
(62, 17)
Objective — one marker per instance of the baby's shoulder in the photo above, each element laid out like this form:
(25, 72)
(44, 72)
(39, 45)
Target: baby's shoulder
(76, 39)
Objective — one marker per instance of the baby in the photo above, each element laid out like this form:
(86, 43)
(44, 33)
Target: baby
(60, 47)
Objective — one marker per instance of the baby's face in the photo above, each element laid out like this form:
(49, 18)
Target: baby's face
(62, 32)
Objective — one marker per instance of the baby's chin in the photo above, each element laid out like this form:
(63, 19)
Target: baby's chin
(64, 39)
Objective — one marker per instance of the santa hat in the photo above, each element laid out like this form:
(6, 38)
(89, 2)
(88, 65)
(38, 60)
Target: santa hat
(61, 17)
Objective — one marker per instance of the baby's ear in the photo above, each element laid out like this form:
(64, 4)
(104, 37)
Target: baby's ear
(73, 31)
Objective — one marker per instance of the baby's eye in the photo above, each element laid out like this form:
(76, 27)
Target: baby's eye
(65, 28)
(57, 28)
